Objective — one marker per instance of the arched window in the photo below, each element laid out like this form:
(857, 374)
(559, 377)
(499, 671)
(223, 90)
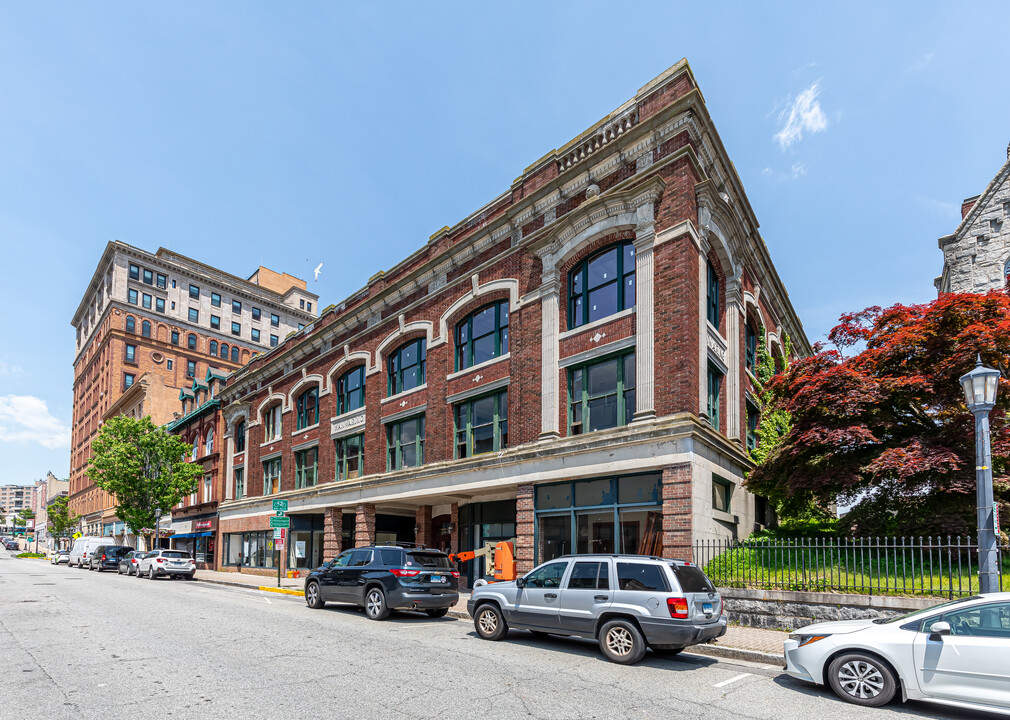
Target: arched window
(234, 354)
(405, 367)
(307, 406)
(145, 329)
(224, 351)
(272, 423)
(240, 436)
(483, 335)
(751, 343)
(602, 284)
(209, 444)
(131, 324)
(191, 341)
(213, 347)
(712, 296)
(351, 390)
(196, 447)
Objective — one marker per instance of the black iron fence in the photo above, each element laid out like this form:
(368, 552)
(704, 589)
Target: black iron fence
(876, 566)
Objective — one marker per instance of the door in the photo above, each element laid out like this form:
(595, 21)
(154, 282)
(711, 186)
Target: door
(537, 603)
(585, 596)
(971, 663)
(351, 583)
(329, 579)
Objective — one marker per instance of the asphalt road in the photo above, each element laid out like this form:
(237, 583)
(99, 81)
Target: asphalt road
(78, 644)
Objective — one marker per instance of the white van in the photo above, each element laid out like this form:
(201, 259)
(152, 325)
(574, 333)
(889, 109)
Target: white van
(83, 547)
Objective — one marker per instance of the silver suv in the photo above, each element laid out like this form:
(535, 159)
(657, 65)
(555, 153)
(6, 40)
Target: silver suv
(625, 602)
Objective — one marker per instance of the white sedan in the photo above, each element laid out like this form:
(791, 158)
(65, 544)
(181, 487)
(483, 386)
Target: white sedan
(955, 654)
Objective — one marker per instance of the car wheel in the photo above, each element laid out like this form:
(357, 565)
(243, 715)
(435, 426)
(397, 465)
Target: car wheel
(375, 604)
(862, 679)
(150, 574)
(119, 571)
(190, 576)
(621, 642)
(313, 598)
(437, 612)
(489, 623)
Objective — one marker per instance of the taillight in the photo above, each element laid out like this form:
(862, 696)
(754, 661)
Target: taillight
(455, 573)
(403, 572)
(719, 614)
(678, 607)
(160, 560)
(103, 558)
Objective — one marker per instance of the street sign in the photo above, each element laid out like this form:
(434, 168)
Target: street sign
(278, 533)
(281, 505)
(280, 522)
(995, 517)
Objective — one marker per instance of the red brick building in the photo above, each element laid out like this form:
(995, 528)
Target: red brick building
(568, 366)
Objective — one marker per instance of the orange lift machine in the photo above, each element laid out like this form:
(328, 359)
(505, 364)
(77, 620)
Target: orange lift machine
(501, 555)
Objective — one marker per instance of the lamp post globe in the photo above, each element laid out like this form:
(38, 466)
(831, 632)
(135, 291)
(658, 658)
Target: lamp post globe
(979, 388)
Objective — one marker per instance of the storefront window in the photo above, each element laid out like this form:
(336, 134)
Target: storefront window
(253, 549)
(555, 537)
(595, 532)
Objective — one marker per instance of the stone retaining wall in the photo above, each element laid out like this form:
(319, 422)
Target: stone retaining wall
(788, 610)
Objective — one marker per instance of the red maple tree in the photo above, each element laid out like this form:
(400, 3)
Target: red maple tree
(887, 427)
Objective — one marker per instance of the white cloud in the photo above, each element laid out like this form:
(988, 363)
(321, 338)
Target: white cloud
(24, 418)
(799, 170)
(804, 114)
(6, 369)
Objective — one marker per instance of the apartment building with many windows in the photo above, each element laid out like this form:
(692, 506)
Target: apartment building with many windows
(166, 315)
(570, 366)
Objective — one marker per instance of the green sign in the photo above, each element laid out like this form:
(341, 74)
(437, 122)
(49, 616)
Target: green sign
(281, 505)
(280, 522)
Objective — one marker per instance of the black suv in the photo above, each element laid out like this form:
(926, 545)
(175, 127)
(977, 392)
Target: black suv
(106, 557)
(383, 578)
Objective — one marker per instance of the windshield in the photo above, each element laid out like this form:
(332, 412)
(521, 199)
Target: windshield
(907, 616)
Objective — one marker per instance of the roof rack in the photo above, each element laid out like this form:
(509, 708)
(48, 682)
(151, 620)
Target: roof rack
(403, 544)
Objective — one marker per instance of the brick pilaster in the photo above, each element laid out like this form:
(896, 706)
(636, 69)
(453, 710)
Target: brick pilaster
(524, 528)
(677, 512)
(333, 530)
(364, 525)
(454, 535)
(422, 520)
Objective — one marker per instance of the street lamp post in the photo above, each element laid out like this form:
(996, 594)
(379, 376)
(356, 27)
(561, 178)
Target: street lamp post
(979, 387)
(157, 522)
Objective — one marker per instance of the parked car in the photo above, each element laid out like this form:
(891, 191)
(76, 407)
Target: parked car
(60, 556)
(624, 602)
(384, 578)
(130, 562)
(83, 548)
(953, 654)
(106, 557)
(11, 545)
(171, 563)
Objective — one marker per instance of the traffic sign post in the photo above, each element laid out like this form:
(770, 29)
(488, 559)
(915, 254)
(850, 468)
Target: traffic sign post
(280, 506)
(280, 522)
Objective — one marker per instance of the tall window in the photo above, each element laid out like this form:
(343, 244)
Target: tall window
(256, 313)
(224, 351)
(272, 423)
(145, 301)
(351, 390)
(712, 296)
(234, 354)
(194, 292)
(601, 394)
(191, 341)
(134, 272)
(128, 379)
(148, 277)
(239, 483)
(753, 418)
(215, 322)
(482, 425)
(275, 320)
(306, 468)
(190, 368)
(255, 335)
(272, 476)
(131, 324)
(483, 335)
(196, 448)
(194, 315)
(236, 328)
(215, 299)
(131, 296)
(213, 347)
(240, 436)
(751, 343)
(307, 407)
(145, 329)
(274, 340)
(602, 285)
(350, 457)
(722, 494)
(236, 307)
(175, 337)
(131, 353)
(714, 387)
(405, 367)
(209, 444)
(405, 443)
(162, 281)
(159, 305)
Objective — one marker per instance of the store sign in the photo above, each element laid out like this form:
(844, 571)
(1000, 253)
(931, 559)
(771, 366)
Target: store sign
(204, 524)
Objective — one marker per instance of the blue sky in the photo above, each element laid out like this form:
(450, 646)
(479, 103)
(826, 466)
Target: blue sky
(290, 134)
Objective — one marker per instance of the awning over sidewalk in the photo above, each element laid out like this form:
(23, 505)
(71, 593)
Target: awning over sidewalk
(193, 535)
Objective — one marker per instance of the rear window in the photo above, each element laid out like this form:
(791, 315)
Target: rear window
(639, 576)
(117, 551)
(692, 579)
(428, 560)
(390, 557)
(174, 554)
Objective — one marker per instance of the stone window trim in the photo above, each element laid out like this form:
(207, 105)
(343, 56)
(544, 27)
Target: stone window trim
(580, 272)
(460, 373)
(448, 320)
(268, 402)
(271, 456)
(301, 386)
(499, 334)
(405, 393)
(310, 428)
(404, 414)
(598, 352)
(307, 445)
(405, 333)
(350, 429)
(346, 364)
(627, 312)
(475, 392)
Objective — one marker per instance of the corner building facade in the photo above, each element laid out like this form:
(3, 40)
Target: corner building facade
(569, 366)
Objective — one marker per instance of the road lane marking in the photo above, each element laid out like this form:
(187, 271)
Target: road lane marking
(268, 600)
(724, 683)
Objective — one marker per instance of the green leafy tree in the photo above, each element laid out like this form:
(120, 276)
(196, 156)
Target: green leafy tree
(143, 468)
(23, 516)
(60, 519)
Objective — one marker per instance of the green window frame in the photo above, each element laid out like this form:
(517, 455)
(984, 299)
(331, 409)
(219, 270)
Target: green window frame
(750, 344)
(307, 406)
(239, 483)
(405, 443)
(272, 476)
(715, 377)
(351, 390)
(350, 453)
(753, 419)
(601, 394)
(481, 425)
(272, 423)
(306, 468)
(483, 335)
(240, 436)
(601, 285)
(405, 367)
(712, 296)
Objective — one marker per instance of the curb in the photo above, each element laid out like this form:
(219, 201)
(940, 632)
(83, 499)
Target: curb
(283, 591)
(248, 586)
(732, 653)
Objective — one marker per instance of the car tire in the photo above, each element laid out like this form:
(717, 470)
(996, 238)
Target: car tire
(862, 679)
(190, 576)
(437, 612)
(151, 575)
(119, 571)
(375, 604)
(489, 622)
(622, 642)
(313, 597)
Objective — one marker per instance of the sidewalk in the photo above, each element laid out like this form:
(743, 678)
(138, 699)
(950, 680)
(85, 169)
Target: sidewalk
(739, 643)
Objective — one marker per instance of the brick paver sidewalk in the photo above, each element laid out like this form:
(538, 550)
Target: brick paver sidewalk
(747, 638)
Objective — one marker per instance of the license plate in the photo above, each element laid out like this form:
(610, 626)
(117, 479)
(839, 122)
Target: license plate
(707, 607)
(438, 578)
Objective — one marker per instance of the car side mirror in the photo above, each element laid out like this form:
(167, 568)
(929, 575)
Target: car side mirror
(520, 582)
(939, 628)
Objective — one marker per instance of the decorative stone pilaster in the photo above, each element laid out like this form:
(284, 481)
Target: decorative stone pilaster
(364, 525)
(229, 464)
(645, 364)
(550, 318)
(734, 321)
